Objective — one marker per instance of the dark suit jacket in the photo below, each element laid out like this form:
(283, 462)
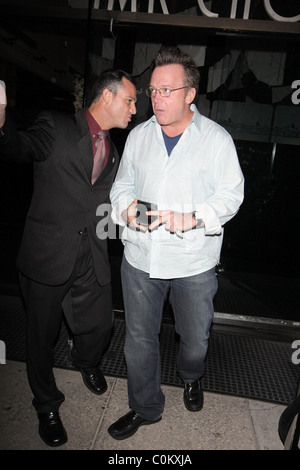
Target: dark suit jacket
(64, 200)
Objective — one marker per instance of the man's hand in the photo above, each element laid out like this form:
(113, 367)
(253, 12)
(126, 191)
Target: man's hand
(3, 103)
(129, 216)
(176, 222)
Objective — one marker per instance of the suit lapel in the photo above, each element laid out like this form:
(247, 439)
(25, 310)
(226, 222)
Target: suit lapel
(111, 162)
(84, 144)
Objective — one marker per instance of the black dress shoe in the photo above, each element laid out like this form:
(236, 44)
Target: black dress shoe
(51, 429)
(128, 425)
(193, 396)
(94, 380)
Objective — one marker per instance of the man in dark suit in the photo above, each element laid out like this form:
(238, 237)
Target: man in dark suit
(63, 263)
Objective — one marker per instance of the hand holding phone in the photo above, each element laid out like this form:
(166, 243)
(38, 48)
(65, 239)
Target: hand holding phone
(141, 217)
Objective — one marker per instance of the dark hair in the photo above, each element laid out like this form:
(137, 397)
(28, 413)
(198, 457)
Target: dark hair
(173, 55)
(111, 79)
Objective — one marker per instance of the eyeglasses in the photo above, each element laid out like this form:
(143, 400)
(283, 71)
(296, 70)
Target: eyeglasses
(165, 92)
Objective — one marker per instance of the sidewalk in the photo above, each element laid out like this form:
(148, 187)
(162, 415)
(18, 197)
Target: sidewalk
(224, 423)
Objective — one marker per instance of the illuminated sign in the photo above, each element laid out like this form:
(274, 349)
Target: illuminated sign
(204, 10)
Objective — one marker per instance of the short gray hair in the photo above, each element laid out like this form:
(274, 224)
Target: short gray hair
(173, 55)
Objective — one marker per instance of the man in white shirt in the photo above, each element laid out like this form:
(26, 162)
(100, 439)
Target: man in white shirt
(186, 166)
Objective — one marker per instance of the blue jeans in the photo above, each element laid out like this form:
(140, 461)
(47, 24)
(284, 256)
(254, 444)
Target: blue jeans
(192, 301)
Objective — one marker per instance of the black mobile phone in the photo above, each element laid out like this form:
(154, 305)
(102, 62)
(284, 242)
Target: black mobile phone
(141, 217)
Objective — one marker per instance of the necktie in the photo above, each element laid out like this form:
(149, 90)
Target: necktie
(99, 157)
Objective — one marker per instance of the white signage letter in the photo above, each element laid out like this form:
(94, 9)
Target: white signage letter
(277, 17)
(246, 9)
(122, 3)
(162, 4)
(205, 11)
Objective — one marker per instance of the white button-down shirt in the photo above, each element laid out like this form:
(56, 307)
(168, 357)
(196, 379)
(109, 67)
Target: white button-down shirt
(202, 174)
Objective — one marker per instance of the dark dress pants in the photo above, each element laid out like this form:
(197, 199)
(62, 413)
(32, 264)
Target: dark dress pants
(87, 307)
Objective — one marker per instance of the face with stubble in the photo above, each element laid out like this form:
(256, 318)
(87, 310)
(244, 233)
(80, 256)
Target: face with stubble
(172, 112)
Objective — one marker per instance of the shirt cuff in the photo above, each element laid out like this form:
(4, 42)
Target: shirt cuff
(116, 213)
(212, 223)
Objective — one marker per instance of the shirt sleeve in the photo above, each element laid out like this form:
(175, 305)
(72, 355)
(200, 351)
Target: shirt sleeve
(34, 144)
(123, 190)
(229, 189)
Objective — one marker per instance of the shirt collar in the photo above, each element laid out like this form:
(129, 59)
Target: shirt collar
(92, 123)
(196, 119)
